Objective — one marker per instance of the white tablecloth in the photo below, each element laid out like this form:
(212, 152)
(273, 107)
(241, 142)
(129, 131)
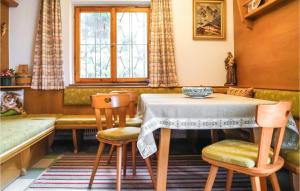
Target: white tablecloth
(177, 111)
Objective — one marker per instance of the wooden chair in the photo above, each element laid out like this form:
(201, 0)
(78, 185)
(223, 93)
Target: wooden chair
(256, 160)
(105, 105)
(131, 121)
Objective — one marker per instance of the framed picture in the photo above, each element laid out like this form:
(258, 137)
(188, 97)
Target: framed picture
(209, 20)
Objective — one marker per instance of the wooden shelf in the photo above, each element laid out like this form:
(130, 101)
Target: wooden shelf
(10, 3)
(14, 87)
(248, 17)
(261, 9)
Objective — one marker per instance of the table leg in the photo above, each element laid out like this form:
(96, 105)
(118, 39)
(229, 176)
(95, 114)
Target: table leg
(163, 158)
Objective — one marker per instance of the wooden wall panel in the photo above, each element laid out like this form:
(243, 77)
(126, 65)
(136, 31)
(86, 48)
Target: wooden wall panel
(268, 55)
(51, 102)
(4, 40)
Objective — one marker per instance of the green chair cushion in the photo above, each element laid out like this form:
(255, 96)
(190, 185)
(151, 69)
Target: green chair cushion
(235, 152)
(132, 122)
(76, 120)
(291, 156)
(17, 129)
(119, 134)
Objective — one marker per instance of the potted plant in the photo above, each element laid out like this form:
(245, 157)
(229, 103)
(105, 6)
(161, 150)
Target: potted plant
(6, 77)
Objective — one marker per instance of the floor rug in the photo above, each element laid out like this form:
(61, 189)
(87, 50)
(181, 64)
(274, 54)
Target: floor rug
(186, 173)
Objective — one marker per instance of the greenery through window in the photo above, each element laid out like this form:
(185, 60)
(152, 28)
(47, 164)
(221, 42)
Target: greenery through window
(111, 44)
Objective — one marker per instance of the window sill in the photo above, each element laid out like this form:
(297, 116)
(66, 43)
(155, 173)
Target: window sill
(91, 85)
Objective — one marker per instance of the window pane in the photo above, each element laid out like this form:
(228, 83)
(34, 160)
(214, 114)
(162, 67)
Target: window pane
(132, 45)
(95, 45)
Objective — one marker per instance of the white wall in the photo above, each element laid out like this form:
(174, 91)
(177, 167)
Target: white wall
(198, 62)
(22, 26)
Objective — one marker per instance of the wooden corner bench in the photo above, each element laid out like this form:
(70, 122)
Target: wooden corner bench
(24, 140)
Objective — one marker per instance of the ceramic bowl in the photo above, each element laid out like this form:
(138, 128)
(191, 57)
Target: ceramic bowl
(197, 92)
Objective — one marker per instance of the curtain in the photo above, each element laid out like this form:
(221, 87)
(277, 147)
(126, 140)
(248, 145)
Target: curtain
(162, 68)
(47, 61)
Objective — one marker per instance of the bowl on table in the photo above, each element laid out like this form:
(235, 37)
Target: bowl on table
(197, 92)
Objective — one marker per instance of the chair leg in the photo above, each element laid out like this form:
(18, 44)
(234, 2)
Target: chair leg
(255, 183)
(111, 152)
(125, 159)
(119, 168)
(211, 178)
(274, 182)
(229, 180)
(149, 167)
(263, 183)
(98, 156)
(133, 155)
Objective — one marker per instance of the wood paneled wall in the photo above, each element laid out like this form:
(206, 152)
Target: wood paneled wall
(51, 102)
(268, 55)
(4, 39)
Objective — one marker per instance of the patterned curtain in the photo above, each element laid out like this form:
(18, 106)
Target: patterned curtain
(162, 69)
(48, 64)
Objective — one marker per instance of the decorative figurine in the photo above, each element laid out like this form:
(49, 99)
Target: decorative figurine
(230, 66)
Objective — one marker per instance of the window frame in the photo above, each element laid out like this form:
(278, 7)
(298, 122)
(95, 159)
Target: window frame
(113, 40)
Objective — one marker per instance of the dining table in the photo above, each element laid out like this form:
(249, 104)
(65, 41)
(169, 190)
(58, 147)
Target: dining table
(178, 111)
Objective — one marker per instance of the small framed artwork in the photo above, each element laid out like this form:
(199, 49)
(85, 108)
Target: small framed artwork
(209, 20)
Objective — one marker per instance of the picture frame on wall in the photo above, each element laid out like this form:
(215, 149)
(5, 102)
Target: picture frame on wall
(209, 19)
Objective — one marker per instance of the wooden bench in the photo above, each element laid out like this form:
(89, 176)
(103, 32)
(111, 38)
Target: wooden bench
(75, 123)
(17, 159)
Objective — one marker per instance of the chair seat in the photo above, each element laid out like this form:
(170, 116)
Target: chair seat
(235, 152)
(119, 134)
(132, 122)
(291, 156)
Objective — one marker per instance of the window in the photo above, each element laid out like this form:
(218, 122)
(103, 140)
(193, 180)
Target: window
(111, 44)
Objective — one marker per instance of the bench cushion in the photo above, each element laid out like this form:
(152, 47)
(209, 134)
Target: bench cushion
(291, 156)
(119, 134)
(76, 120)
(235, 152)
(277, 95)
(17, 129)
(81, 95)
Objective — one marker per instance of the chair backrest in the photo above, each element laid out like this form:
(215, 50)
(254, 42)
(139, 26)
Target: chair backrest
(108, 105)
(270, 117)
(133, 96)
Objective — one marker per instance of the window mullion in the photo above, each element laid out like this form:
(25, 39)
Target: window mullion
(113, 45)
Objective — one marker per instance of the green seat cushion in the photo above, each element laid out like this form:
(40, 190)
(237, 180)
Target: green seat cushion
(235, 152)
(291, 156)
(132, 122)
(16, 130)
(119, 134)
(76, 120)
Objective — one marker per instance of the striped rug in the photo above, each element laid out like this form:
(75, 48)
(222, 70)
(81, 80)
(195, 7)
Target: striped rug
(186, 172)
